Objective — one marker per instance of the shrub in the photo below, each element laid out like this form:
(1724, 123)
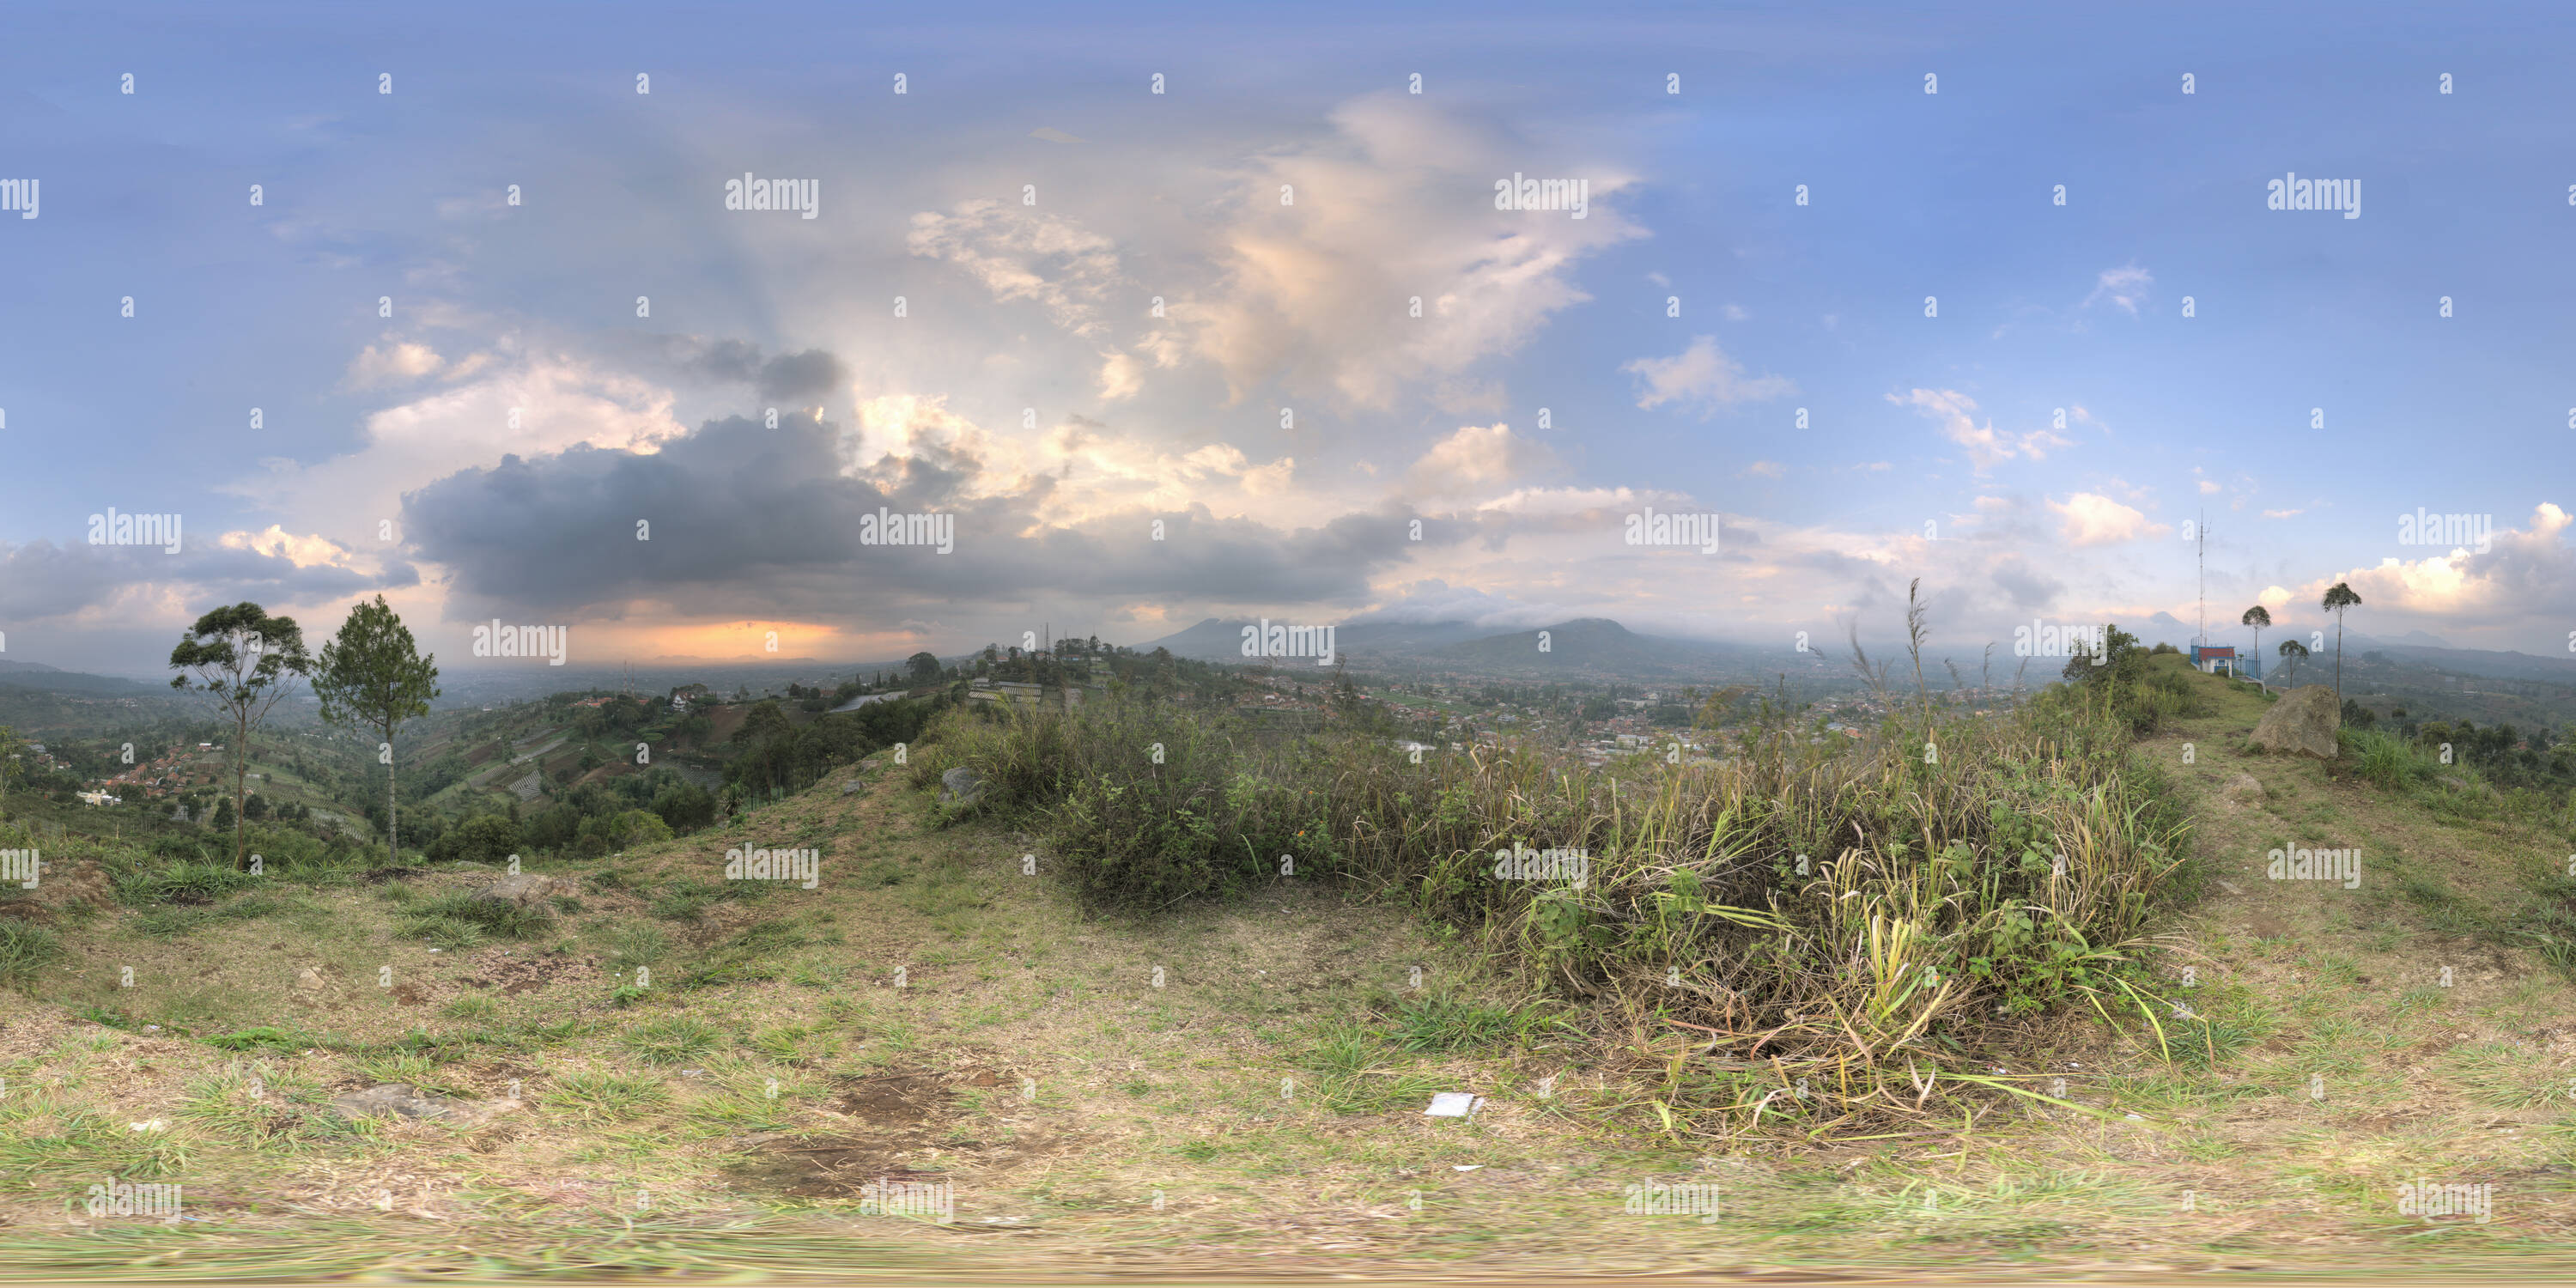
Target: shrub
(485, 838)
(1852, 913)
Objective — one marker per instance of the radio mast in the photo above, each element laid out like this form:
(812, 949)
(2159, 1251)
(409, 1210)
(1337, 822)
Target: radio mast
(2201, 531)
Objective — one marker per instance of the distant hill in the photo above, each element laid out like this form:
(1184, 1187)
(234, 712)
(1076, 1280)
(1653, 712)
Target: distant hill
(1596, 643)
(1221, 640)
(1593, 644)
(37, 675)
(2471, 661)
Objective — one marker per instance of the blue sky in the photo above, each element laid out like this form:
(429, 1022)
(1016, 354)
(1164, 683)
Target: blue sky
(1030, 391)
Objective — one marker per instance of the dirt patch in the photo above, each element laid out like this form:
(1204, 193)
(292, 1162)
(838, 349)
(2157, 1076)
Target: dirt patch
(900, 1126)
(515, 975)
(57, 888)
(897, 1102)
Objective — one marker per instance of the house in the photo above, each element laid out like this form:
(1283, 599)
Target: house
(100, 798)
(2210, 657)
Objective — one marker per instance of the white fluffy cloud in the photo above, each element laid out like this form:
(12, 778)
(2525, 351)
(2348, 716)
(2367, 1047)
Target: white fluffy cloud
(398, 362)
(2091, 519)
(1985, 444)
(1701, 378)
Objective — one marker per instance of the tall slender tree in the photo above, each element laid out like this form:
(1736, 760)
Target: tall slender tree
(248, 661)
(2291, 652)
(2338, 598)
(373, 676)
(2257, 617)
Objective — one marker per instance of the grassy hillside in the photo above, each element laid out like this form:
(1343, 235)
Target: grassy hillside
(1238, 1078)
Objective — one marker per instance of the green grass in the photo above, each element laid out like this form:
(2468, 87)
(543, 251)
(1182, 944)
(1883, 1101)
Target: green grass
(188, 881)
(1431, 1022)
(606, 1096)
(438, 920)
(25, 949)
(470, 1006)
(671, 1040)
(184, 919)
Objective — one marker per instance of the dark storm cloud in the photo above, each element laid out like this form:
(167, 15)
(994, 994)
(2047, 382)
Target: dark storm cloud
(750, 521)
(803, 379)
(792, 379)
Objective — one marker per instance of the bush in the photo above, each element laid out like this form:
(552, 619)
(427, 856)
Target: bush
(1850, 911)
(485, 838)
(602, 833)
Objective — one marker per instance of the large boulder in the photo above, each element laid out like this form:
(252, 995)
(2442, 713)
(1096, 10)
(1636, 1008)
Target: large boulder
(526, 890)
(2302, 723)
(961, 785)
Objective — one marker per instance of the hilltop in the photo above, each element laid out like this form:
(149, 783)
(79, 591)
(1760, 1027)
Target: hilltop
(720, 1066)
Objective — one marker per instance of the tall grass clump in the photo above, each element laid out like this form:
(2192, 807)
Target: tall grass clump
(1805, 930)
(2387, 762)
(25, 948)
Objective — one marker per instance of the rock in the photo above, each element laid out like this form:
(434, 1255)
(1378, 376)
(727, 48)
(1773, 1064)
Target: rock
(2303, 723)
(962, 785)
(403, 1100)
(853, 787)
(2245, 790)
(526, 890)
(310, 980)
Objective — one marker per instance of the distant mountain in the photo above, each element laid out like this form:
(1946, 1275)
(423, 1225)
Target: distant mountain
(6, 666)
(1221, 640)
(1586, 642)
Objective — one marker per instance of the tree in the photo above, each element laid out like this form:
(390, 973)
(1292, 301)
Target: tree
(925, 668)
(2339, 598)
(2257, 617)
(2291, 652)
(12, 749)
(248, 661)
(373, 676)
(764, 722)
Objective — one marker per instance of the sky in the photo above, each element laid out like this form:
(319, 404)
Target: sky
(448, 305)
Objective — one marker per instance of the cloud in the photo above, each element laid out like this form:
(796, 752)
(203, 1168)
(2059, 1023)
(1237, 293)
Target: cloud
(2091, 519)
(1985, 444)
(1016, 253)
(1764, 470)
(755, 524)
(2025, 586)
(2283, 514)
(1477, 458)
(2125, 287)
(2524, 582)
(1701, 378)
(1393, 203)
(398, 362)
